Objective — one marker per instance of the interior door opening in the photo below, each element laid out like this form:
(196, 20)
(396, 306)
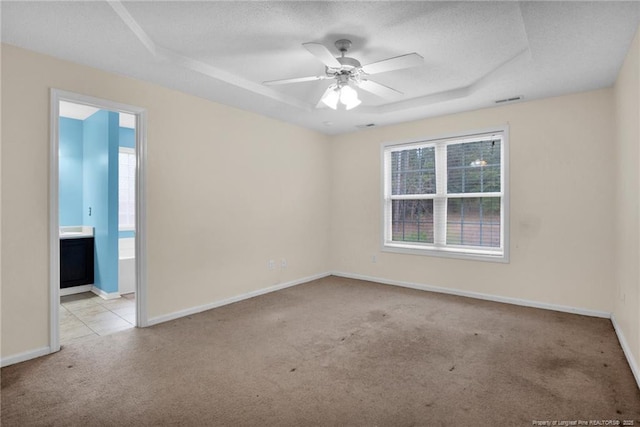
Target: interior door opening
(96, 218)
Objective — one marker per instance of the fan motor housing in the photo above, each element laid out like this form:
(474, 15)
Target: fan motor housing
(343, 45)
(349, 63)
(349, 66)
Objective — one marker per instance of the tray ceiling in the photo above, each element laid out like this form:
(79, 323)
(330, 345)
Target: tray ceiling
(475, 52)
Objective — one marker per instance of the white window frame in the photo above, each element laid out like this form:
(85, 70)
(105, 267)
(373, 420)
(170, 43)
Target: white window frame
(129, 151)
(439, 247)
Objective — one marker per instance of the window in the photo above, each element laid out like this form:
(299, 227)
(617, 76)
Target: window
(127, 189)
(447, 197)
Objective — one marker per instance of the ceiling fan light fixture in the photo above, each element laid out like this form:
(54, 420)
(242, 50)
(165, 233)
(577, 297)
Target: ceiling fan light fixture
(348, 72)
(330, 99)
(352, 104)
(348, 95)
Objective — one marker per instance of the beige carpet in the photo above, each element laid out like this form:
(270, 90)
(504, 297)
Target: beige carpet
(335, 352)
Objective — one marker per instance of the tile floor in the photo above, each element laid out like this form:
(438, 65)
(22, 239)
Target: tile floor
(86, 315)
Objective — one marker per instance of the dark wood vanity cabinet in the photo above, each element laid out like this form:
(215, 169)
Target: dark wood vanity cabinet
(76, 262)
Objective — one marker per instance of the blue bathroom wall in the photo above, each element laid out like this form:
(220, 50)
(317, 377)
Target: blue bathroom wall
(127, 139)
(100, 205)
(71, 175)
(89, 179)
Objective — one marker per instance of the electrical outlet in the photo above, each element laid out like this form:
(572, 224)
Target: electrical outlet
(283, 263)
(271, 264)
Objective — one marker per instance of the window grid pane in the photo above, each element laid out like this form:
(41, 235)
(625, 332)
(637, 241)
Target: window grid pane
(413, 171)
(412, 220)
(474, 167)
(474, 221)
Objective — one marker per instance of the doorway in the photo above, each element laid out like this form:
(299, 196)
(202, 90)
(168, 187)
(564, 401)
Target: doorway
(97, 214)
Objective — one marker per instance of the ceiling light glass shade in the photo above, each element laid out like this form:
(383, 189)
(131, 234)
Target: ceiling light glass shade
(343, 94)
(352, 104)
(330, 99)
(348, 95)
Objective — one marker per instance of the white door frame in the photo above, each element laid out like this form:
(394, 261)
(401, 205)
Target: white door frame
(141, 205)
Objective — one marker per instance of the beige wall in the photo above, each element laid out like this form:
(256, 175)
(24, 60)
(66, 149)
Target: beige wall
(561, 234)
(227, 190)
(627, 182)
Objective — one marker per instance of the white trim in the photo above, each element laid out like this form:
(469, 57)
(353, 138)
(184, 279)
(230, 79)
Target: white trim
(231, 300)
(75, 290)
(54, 223)
(105, 295)
(27, 355)
(444, 252)
(140, 114)
(478, 295)
(626, 350)
(141, 219)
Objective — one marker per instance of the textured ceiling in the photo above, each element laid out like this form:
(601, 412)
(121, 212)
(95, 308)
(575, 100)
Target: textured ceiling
(474, 52)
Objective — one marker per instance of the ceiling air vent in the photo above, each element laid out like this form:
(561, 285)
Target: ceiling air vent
(368, 125)
(515, 98)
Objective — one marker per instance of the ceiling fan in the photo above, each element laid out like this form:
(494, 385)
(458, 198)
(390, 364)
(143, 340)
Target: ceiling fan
(349, 73)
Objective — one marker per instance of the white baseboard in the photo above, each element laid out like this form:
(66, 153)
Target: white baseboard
(32, 354)
(105, 295)
(75, 290)
(627, 351)
(478, 295)
(219, 303)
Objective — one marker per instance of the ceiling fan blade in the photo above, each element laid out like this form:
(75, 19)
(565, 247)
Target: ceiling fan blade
(298, 80)
(399, 62)
(323, 54)
(380, 90)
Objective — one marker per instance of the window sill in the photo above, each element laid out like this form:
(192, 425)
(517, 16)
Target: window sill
(444, 253)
